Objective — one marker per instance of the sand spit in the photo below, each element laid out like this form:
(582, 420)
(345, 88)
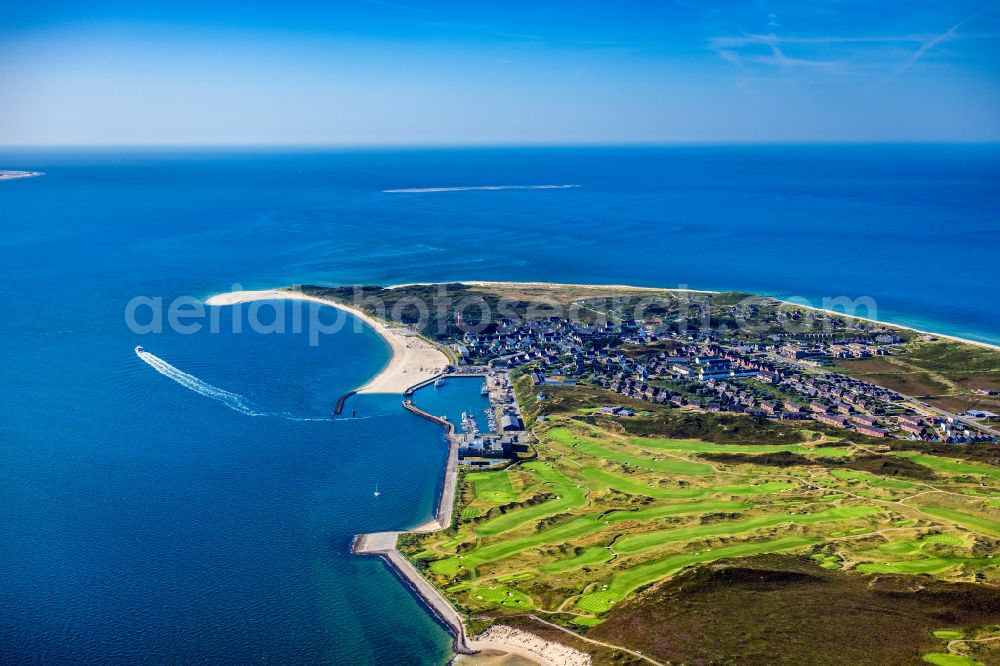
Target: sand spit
(414, 359)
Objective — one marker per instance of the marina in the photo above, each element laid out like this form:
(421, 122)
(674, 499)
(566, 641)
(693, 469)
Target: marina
(467, 401)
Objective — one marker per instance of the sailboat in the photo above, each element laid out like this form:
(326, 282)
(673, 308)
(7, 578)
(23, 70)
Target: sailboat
(377, 493)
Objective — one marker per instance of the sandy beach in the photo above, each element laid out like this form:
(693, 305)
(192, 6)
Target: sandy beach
(501, 639)
(413, 358)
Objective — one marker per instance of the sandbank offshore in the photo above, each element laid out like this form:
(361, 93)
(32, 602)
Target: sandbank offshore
(474, 188)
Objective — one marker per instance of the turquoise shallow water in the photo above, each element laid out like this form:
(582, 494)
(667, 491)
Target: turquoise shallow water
(146, 521)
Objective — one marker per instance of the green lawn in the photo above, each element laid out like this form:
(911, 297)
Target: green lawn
(673, 510)
(593, 555)
(696, 446)
(871, 479)
(638, 487)
(906, 547)
(492, 487)
(546, 472)
(947, 659)
(966, 520)
(635, 543)
(561, 533)
(949, 634)
(926, 565)
(663, 465)
(950, 465)
(501, 596)
(568, 496)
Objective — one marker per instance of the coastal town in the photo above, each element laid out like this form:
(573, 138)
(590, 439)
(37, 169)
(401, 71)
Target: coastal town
(690, 354)
(522, 456)
(654, 368)
(779, 377)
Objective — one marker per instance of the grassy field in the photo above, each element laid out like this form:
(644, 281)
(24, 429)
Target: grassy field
(492, 487)
(694, 446)
(951, 465)
(569, 496)
(871, 479)
(967, 520)
(944, 373)
(602, 514)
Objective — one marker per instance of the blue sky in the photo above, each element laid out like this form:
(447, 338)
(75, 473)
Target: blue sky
(381, 72)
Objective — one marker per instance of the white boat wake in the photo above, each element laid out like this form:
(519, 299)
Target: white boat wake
(234, 401)
(480, 187)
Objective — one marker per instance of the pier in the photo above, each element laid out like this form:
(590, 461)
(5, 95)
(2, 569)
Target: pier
(442, 517)
(383, 544)
(340, 402)
(448, 425)
(427, 382)
(419, 385)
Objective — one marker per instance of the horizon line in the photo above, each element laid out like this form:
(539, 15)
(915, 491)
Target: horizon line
(497, 145)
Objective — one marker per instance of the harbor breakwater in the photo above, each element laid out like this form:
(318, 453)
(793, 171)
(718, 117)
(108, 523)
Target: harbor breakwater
(383, 544)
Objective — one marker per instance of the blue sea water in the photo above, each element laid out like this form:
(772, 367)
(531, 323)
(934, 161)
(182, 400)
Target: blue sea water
(146, 518)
